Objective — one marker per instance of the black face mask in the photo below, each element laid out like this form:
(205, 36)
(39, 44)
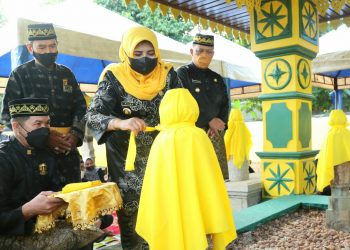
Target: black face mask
(143, 65)
(46, 59)
(38, 138)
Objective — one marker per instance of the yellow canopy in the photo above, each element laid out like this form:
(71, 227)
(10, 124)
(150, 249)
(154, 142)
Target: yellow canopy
(238, 139)
(335, 150)
(183, 196)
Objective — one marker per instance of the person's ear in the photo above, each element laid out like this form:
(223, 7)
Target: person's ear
(191, 51)
(29, 47)
(15, 125)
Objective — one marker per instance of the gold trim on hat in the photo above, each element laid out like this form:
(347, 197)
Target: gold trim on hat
(28, 109)
(203, 40)
(41, 32)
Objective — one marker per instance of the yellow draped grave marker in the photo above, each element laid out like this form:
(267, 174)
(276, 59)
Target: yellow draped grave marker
(183, 197)
(335, 150)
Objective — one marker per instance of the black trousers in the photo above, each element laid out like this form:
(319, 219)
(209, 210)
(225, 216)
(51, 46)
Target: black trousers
(129, 238)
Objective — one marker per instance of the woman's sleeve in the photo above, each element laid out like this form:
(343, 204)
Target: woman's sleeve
(99, 113)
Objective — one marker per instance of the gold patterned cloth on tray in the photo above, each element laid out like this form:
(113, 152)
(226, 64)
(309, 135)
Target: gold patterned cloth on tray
(86, 202)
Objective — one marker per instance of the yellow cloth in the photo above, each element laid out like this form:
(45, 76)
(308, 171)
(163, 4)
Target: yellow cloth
(144, 87)
(183, 196)
(79, 186)
(335, 150)
(84, 206)
(87, 98)
(62, 130)
(238, 139)
(131, 155)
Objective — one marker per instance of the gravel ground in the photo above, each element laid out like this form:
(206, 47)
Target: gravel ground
(304, 229)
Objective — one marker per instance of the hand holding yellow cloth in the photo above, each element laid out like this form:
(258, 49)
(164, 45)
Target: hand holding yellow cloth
(238, 139)
(183, 197)
(86, 202)
(335, 150)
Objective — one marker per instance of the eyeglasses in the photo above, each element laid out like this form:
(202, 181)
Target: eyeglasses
(207, 51)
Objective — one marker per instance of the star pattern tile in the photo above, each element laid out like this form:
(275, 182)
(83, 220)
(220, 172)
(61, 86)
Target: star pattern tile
(309, 179)
(305, 73)
(277, 73)
(278, 179)
(272, 19)
(309, 18)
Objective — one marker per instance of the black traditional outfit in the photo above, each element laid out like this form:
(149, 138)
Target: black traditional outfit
(24, 173)
(209, 90)
(66, 102)
(123, 93)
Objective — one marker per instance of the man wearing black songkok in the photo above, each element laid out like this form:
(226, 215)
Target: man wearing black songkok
(43, 78)
(209, 90)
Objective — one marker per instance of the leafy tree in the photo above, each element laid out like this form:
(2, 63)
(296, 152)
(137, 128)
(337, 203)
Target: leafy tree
(167, 25)
(346, 100)
(322, 102)
(252, 107)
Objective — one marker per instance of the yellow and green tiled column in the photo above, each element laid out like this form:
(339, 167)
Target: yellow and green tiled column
(285, 36)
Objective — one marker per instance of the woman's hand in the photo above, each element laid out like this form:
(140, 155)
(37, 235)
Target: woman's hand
(133, 124)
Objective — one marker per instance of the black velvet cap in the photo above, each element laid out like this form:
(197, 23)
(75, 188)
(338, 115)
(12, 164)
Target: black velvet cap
(206, 40)
(41, 31)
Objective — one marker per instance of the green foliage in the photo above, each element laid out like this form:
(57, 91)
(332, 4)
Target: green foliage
(322, 102)
(252, 108)
(167, 25)
(346, 100)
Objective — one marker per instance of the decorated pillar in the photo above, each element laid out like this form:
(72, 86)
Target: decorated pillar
(285, 36)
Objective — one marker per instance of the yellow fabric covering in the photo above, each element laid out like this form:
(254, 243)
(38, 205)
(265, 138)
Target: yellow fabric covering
(62, 130)
(86, 202)
(238, 139)
(144, 87)
(335, 150)
(183, 196)
(87, 99)
(79, 186)
(131, 155)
